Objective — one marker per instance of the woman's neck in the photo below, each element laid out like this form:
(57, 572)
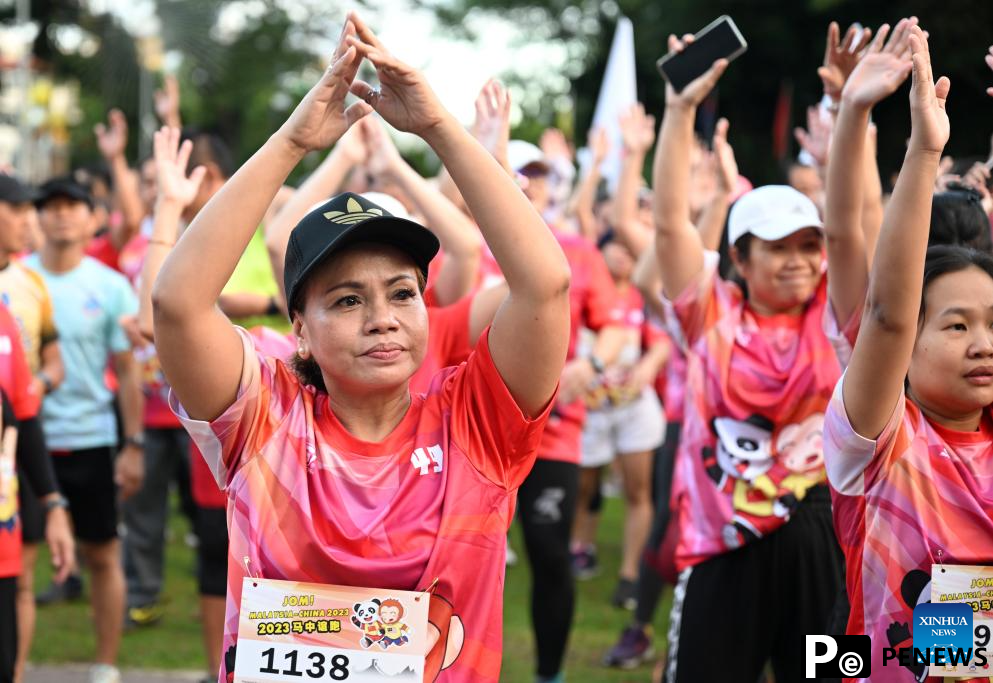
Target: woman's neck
(958, 423)
(766, 311)
(369, 416)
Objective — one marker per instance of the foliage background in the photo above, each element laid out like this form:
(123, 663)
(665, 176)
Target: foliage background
(243, 83)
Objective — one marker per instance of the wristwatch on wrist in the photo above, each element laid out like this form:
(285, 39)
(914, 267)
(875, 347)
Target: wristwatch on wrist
(46, 382)
(136, 440)
(59, 501)
(597, 364)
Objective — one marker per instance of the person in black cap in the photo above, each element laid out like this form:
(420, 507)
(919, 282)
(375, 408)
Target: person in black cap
(78, 417)
(375, 486)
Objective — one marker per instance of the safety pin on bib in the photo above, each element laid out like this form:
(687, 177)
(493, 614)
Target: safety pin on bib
(248, 570)
(426, 590)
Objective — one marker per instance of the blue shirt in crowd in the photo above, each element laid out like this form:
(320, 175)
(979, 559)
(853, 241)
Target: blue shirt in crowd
(88, 301)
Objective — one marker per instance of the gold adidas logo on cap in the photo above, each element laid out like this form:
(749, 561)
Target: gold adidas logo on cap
(355, 213)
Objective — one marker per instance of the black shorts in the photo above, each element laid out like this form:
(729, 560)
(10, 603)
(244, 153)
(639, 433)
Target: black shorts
(31, 511)
(212, 551)
(86, 478)
(8, 628)
(30, 439)
(663, 465)
(756, 603)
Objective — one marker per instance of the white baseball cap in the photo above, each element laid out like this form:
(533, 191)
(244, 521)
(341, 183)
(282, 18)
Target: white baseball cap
(771, 213)
(521, 154)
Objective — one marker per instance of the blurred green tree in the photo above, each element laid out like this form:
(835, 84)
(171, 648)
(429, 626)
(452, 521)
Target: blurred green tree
(786, 45)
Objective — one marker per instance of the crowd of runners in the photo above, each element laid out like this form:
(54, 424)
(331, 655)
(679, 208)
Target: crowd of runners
(363, 381)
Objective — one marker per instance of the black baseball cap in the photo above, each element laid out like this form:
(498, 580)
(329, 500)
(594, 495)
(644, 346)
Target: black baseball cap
(345, 220)
(13, 191)
(65, 186)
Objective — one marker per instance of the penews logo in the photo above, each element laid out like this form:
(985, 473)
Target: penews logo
(838, 657)
(943, 637)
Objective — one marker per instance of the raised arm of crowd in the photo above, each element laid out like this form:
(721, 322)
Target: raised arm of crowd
(369, 376)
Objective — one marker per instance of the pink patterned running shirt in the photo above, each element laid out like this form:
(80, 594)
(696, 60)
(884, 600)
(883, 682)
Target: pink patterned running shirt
(918, 490)
(756, 390)
(307, 501)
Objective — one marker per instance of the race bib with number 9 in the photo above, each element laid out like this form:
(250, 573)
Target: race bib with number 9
(973, 586)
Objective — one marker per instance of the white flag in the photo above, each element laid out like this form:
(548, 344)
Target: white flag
(618, 91)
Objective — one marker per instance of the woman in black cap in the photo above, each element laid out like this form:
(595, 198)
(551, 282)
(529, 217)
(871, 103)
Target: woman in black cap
(335, 472)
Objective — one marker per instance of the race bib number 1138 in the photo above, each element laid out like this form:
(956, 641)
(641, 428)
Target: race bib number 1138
(291, 631)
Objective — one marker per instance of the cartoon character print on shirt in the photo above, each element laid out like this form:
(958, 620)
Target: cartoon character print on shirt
(153, 381)
(8, 481)
(767, 472)
(800, 450)
(365, 617)
(446, 636)
(395, 633)
(915, 589)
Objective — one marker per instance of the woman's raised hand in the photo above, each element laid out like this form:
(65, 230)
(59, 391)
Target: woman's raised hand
(841, 56)
(637, 129)
(321, 118)
(883, 67)
(492, 124)
(171, 160)
(697, 90)
(404, 98)
(929, 121)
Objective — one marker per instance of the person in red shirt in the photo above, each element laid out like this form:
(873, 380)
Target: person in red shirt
(422, 465)
(21, 402)
(548, 498)
(122, 225)
(625, 421)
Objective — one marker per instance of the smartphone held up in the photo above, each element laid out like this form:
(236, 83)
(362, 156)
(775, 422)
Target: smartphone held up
(719, 39)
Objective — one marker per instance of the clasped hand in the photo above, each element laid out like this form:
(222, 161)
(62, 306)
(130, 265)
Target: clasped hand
(404, 98)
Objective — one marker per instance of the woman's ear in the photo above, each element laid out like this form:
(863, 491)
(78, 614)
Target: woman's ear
(740, 264)
(299, 334)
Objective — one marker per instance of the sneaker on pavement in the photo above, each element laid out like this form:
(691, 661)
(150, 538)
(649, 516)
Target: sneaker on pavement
(584, 563)
(71, 589)
(104, 673)
(625, 595)
(632, 650)
(145, 615)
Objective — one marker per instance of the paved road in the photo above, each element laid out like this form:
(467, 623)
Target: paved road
(78, 674)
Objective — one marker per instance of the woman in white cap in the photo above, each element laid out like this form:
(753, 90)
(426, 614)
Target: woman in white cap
(335, 472)
(759, 562)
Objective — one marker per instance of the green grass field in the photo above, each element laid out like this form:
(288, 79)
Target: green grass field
(65, 632)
